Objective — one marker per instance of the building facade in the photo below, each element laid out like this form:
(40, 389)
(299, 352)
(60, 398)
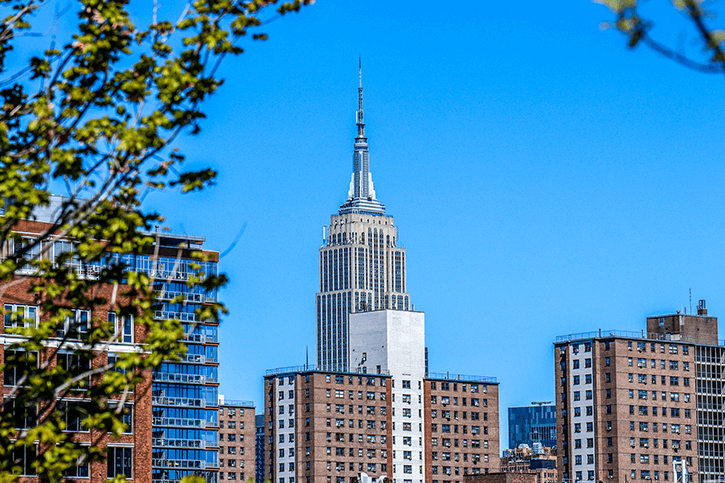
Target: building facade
(326, 427)
(259, 447)
(237, 440)
(462, 419)
(361, 265)
(130, 453)
(532, 424)
(185, 393)
(642, 406)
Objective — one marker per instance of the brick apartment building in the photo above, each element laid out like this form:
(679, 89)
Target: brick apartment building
(128, 454)
(642, 406)
(462, 421)
(326, 427)
(237, 455)
(333, 426)
(173, 414)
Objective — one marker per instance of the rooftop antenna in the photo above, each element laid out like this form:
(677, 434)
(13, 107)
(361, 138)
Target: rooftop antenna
(690, 299)
(307, 357)
(359, 115)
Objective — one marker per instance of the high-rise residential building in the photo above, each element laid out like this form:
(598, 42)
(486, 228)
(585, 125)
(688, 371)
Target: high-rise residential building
(461, 425)
(532, 424)
(237, 440)
(326, 426)
(361, 265)
(638, 406)
(185, 393)
(130, 453)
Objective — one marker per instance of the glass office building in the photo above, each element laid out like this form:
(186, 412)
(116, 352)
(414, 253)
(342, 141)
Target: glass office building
(532, 424)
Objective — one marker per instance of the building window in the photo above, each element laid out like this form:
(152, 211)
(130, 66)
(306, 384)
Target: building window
(120, 461)
(24, 457)
(123, 327)
(20, 316)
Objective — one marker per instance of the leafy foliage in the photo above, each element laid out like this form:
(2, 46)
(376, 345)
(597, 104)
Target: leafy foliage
(638, 27)
(97, 117)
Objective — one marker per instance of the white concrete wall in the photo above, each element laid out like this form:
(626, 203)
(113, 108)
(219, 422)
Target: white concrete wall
(288, 432)
(578, 353)
(395, 341)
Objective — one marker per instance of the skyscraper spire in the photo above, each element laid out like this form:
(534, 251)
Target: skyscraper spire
(359, 120)
(361, 197)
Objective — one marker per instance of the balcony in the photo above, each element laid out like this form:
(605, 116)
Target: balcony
(178, 443)
(183, 378)
(179, 422)
(178, 402)
(178, 464)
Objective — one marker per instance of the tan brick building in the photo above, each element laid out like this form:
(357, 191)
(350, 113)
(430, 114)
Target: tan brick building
(236, 440)
(331, 427)
(461, 419)
(326, 427)
(627, 403)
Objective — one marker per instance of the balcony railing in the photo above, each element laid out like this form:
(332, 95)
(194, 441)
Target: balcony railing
(178, 464)
(179, 422)
(198, 298)
(178, 443)
(183, 378)
(179, 401)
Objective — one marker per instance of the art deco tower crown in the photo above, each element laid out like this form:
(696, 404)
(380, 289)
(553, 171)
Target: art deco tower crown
(361, 266)
(361, 197)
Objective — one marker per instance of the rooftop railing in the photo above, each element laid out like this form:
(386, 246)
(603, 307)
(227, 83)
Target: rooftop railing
(461, 377)
(628, 334)
(237, 403)
(314, 368)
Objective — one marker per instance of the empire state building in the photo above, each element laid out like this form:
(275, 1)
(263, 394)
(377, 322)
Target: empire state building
(361, 266)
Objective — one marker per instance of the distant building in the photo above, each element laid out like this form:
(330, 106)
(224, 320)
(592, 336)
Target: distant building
(532, 424)
(259, 447)
(641, 406)
(538, 460)
(237, 440)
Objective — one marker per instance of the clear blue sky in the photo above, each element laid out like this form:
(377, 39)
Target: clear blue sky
(545, 180)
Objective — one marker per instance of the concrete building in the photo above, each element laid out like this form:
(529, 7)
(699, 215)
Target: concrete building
(642, 405)
(393, 342)
(129, 454)
(532, 424)
(237, 440)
